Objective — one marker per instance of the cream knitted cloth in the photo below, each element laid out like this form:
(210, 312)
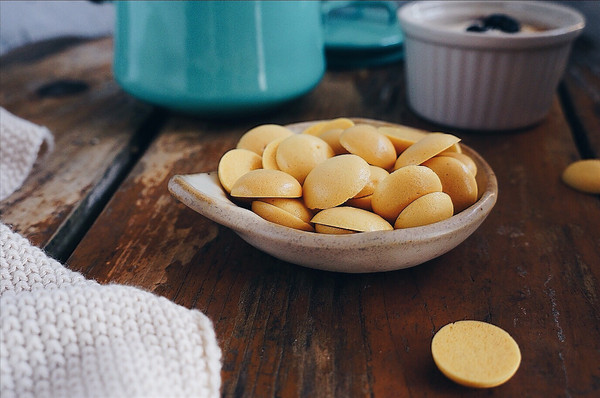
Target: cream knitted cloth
(20, 142)
(62, 335)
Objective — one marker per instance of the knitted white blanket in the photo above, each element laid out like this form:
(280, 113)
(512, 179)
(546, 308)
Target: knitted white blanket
(62, 335)
(20, 142)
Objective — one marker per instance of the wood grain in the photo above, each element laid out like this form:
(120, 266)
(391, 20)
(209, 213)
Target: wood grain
(93, 130)
(581, 85)
(532, 268)
(581, 93)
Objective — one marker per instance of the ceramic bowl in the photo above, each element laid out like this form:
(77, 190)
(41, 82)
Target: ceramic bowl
(355, 253)
(485, 81)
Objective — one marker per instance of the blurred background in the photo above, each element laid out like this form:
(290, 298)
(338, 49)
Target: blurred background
(22, 22)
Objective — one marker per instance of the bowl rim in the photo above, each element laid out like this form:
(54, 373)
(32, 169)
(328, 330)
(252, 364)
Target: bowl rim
(183, 188)
(414, 22)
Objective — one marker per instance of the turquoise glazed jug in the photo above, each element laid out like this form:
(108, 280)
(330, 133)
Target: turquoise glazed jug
(218, 58)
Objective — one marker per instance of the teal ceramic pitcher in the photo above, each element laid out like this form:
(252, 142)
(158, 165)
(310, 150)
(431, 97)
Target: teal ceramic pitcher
(218, 58)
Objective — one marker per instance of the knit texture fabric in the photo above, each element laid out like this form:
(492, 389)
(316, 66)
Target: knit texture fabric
(20, 142)
(62, 335)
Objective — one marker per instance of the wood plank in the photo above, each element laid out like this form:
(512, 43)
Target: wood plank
(93, 126)
(291, 331)
(581, 88)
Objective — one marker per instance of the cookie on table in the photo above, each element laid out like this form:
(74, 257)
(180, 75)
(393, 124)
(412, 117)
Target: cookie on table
(475, 354)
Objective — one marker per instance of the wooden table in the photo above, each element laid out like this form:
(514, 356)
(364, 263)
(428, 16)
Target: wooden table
(100, 203)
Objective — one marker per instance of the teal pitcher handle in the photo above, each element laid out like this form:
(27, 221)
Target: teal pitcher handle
(356, 9)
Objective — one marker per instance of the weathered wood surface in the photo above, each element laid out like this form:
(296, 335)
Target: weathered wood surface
(532, 268)
(67, 86)
(582, 81)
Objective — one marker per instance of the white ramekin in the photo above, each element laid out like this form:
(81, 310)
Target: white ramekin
(482, 81)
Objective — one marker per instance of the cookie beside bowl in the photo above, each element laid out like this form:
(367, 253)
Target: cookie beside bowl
(354, 253)
(485, 79)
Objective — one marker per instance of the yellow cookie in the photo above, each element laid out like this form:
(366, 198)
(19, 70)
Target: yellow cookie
(332, 137)
(457, 180)
(363, 202)
(325, 125)
(234, 164)
(326, 229)
(279, 215)
(269, 160)
(456, 148)
(465, 159)
(425, 210)
(401, 187)
(402, 136)
(256, 139)
(475, 354)
(336, 180)
(377, 174)
(583, 175)
(365, 141)
(426, 148)
(263, 183)
(295, 207)
(351, 218)
(298, 154)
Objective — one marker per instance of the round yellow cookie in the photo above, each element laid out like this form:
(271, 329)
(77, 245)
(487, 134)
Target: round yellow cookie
(402, 136)
(475, 354)
(269, 156)
(326, 229)
(457, 180)
(377, 174)
(332, 137)
(335, 180)
(365, 141)
(583, 175)
(258, 138)
(325, 125)
(280, 215)
(234, 164)
(424, 149)
(351, 218)
(263, 183)
(298, 154)
(464, 158)
(427, 209)
(400, 188)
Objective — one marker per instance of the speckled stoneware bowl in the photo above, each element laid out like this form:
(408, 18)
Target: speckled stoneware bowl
(361, 252)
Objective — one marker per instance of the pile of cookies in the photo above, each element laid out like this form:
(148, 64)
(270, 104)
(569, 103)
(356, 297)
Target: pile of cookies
(342, 177)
